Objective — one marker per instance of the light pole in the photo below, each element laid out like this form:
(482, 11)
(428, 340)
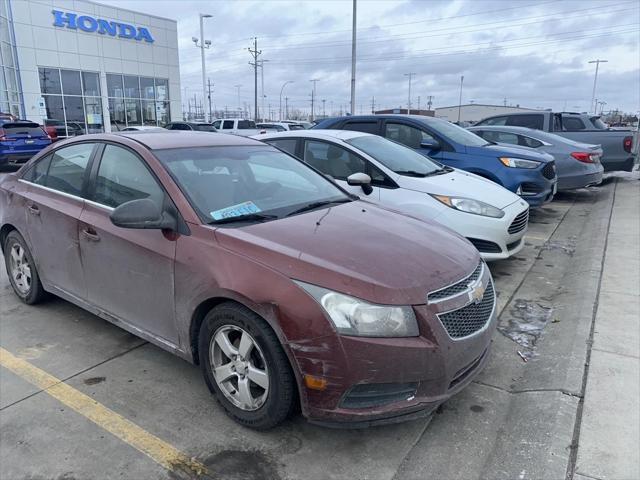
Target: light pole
(460, 99)
(202, 45)
(595, 79)
(313, 97)
(410, 75)
(281, 90)
(353, 61)
(238, 87)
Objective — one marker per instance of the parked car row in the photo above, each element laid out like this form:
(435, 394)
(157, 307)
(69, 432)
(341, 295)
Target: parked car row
(288, 290)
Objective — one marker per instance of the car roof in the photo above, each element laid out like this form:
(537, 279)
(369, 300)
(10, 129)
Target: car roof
(506, 128)
(175, 139)
(316, 133)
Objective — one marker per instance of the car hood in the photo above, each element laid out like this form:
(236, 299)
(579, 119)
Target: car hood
(505, 151)
(358, 249)
(461, 184)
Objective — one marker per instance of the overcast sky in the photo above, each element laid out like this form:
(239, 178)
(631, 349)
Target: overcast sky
(531, 53)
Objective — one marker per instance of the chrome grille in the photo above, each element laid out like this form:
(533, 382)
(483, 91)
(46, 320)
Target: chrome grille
(459, 287)
(520, 222)
(549, 170)
(468, 320)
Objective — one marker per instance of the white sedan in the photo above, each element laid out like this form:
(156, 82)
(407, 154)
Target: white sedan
(491, 217)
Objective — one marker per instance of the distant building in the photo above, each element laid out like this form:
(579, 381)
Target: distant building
(413, 111)
(474, 112)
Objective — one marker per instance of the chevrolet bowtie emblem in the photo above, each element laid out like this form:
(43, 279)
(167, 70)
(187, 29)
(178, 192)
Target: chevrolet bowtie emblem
(477, 292)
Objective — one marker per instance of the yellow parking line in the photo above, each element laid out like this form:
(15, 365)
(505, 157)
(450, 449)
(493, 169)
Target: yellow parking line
(155, 448)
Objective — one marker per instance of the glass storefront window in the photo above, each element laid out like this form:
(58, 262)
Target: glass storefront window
(114, 85)
(93, 109)
(50, 80)
(162, 113)
(149, 112)
(117, 114)
(74, 110)
(131, 87)
(146, 88)
(71, 82)
(90, 84)
(162, 89)
(54, 108)
(133, 112)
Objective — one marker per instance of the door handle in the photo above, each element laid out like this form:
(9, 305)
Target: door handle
(33, 210)
(91, 235)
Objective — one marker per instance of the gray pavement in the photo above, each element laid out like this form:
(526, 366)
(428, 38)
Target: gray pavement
(517, 421)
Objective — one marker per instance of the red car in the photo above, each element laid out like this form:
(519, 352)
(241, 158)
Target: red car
(235, 256)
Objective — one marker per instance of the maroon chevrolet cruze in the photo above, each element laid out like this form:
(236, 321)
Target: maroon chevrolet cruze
(283, 287)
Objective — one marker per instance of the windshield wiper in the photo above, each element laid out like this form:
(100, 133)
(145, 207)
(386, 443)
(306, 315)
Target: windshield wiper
(411, 173)
(314, 205)
(251, 217)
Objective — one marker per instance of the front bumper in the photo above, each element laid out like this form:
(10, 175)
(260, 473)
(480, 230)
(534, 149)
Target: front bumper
(438, 366)
(489, 235)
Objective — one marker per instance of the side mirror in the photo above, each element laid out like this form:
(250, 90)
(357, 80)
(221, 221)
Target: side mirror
(143, 213)
(361, 179)
(431, 144)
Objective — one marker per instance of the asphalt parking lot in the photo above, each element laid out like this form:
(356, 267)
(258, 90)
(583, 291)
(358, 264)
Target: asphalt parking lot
(114, 406)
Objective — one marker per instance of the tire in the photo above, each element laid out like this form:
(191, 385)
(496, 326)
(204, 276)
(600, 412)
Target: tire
(267, 407)
(22, 270)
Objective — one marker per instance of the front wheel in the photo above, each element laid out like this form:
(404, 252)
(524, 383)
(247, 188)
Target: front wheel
(21, 269)
(245, 366)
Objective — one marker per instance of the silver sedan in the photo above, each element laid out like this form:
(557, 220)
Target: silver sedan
(578, 164)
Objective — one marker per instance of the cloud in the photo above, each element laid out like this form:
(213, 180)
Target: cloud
(532, 53)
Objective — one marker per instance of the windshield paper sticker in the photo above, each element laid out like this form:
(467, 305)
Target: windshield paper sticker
(245, 208)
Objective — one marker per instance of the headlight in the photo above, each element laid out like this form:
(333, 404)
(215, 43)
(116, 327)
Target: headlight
(352, 316)
(469, 205)
(518, 162)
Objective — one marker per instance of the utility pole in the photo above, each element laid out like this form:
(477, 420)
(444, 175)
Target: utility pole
(209, 98)
(505, 101)
(410, 75)
(373, 105)
(324, 113)
(255, 53)
(313, 97)
(595, 79)
(460, 100)
(353, 60)
(418, 103)
(430, 102)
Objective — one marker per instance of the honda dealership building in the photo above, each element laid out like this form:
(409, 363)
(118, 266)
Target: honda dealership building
(86, 65)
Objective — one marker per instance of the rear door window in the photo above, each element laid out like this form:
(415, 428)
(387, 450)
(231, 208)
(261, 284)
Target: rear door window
(528, 142)
(505, 137)
(535, 121)
(122, 177)
(227, 124)
(68, 167)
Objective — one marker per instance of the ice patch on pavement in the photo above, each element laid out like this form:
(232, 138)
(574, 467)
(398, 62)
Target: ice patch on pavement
(525, 324)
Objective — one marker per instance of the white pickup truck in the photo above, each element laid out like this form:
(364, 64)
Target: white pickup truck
(237, 126)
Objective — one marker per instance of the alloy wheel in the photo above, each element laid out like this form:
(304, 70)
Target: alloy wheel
(239, 367)
(20, 268)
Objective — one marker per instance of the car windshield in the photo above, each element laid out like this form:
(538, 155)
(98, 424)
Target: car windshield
(458, 134)
(257, 182)
(394, 156)
(204, 127)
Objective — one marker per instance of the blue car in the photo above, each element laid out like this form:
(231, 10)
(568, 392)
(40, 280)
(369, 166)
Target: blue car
(20, 140)
(528, 174)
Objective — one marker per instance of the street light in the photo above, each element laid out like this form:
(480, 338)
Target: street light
(460, 100)
(261, 64)
(202, 45)
(238, 87)
(281, 90)
(595, 79)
